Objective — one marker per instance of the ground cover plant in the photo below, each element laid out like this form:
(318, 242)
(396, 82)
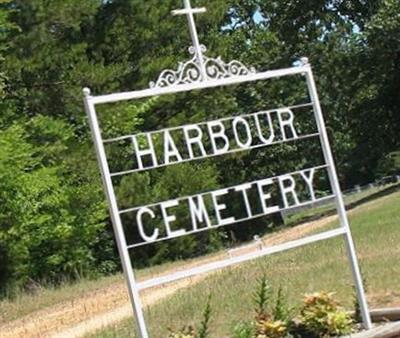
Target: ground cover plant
(319, 316)
(320, 266)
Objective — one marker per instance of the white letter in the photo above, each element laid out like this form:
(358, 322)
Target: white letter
(198, 212)
(139, 215)
(288, 189)
(218, 135)
(241, 120)
(170, 149)
(309, 180)
(194, 140)
(270, 126)
(218, 207)
(170, 218)
(263, 196)
(243, 189)
(289, 122)
(139, 152)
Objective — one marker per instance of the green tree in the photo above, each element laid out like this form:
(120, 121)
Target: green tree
(49, 222)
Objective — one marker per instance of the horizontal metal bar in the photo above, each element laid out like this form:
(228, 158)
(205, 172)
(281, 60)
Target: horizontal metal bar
(322, 166)
(212, 227)
(188, 11)
(240, 259)
(199, 85)
(257, 146)
(121, 138)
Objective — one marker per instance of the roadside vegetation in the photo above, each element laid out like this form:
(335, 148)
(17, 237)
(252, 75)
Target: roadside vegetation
(320, 266)
(42, 297)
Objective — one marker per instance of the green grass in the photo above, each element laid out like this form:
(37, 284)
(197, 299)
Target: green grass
(26, 303)
(319, 266)
(350, 200)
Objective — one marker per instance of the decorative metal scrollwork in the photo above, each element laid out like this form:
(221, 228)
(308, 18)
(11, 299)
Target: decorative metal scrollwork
(191, 72)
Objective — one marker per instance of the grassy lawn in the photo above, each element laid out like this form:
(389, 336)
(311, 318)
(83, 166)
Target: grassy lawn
(320, 266)
(351, 200)
(46, 297)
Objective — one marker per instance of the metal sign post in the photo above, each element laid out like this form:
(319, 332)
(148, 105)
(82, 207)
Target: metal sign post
(116, 220)
(199, 73)
(333, 178)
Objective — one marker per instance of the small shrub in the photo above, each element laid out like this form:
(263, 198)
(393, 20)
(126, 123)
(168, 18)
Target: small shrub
(245, 329)
(270, 324)
(281, 311)
(321, 316)
(205, 323)
(262, 296)
(271, 329)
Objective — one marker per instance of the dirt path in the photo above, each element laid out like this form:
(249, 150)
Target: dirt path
(109, 305)
(124, 311)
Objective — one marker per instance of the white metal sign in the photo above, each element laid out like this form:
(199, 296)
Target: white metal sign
(198, 73)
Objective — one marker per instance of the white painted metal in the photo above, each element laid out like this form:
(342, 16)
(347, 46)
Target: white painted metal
(232, 151)
(323, 166)
(345, 229)
(198, 85)
(305, 69)
(216, 226)
(240, 259)
(194, 72)
(334, 181)
(158, 131)
(198, 50)
(213, 73)
(116, 221)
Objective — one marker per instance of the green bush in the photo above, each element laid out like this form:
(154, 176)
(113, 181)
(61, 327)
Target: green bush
(268, 323)
(52, 213)
(245, 329)
(321, 316)
(269, 328)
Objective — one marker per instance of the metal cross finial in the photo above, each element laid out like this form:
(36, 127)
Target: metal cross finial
(189, 11)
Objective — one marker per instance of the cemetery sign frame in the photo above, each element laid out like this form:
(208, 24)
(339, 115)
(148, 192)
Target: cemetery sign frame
(199, 73)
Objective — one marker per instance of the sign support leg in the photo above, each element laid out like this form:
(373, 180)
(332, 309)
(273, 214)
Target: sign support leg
(333, 178)
(116, 220)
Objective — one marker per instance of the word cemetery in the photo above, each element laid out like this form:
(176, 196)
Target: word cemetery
(243, 132)
(200, 214)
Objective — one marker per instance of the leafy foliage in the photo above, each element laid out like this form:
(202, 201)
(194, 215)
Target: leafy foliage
(262, 296)
(50, 218)
(244, 329)
(271, 329)
(281, 310)
(322, 317)
(53, 219)
(205, 323)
